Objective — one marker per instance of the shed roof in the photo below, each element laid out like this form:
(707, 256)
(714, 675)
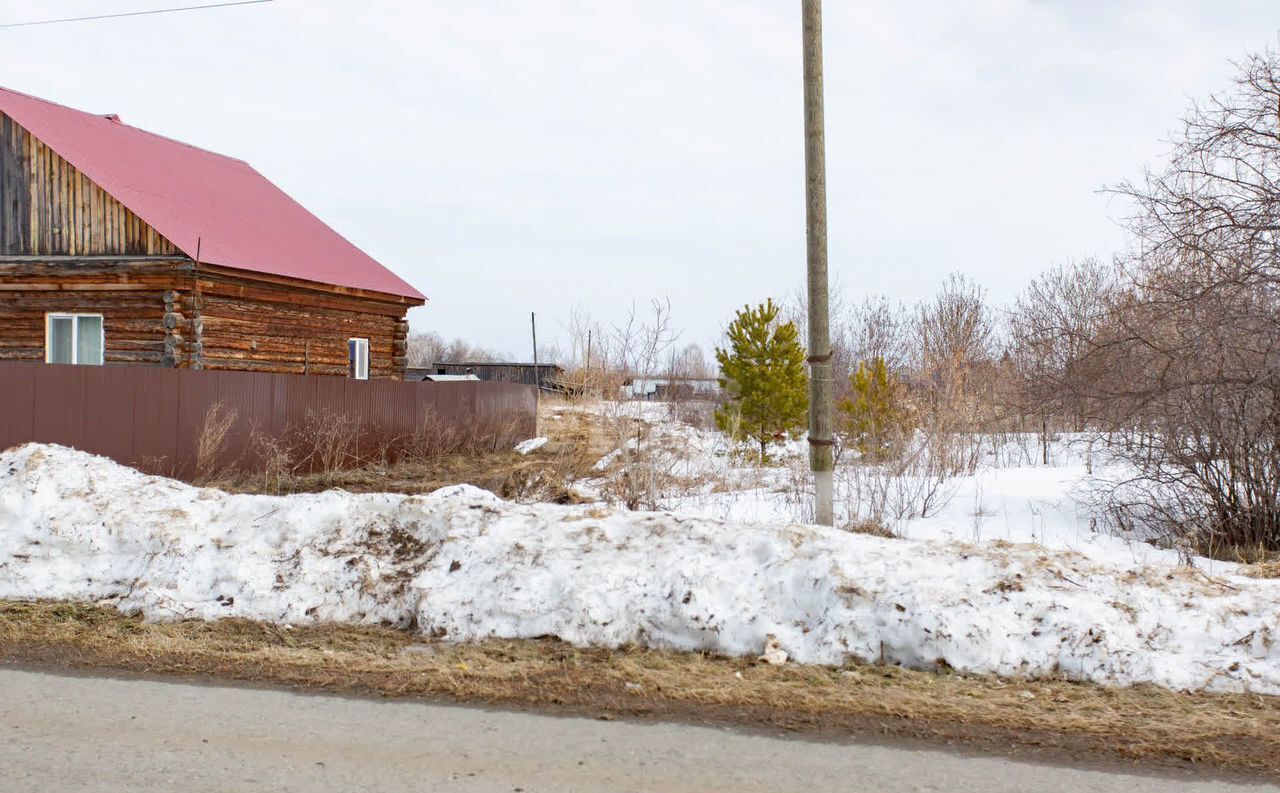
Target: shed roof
(198, 200)
(526, 364)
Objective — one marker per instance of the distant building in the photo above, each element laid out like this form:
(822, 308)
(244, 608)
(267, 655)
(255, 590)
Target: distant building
(549, 376)
(661, 389)
(450, 378)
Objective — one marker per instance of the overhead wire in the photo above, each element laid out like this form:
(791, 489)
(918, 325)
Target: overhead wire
(133, 13)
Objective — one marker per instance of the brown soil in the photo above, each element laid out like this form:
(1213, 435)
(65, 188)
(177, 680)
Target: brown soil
(1145, 727)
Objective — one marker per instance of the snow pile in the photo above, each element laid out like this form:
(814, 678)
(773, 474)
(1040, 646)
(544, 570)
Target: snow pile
(531, 445)
(467, 565)
(694, 470)
(1013, 496)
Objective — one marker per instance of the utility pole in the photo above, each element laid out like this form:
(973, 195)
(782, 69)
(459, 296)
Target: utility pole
(821, 459)
(537, 373)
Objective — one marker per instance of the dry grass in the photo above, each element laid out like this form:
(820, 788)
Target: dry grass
(869, 526)
(212, 439)
(1268, 568)
(576, 442)
(1157, 727)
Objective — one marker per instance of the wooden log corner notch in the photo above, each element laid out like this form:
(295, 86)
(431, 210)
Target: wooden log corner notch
(173, 322)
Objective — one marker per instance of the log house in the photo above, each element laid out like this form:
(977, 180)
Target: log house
(121, 247)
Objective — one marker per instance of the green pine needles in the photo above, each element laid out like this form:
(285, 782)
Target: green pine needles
(876, 416)
(763, 373)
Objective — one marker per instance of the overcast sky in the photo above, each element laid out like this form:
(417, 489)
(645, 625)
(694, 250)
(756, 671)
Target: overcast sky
(506, 156)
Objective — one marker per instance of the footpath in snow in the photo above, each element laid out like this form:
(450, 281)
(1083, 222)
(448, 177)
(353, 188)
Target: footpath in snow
(466, 565)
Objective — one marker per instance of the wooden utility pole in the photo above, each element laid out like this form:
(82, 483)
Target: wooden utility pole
(821, 458)
(537, 373)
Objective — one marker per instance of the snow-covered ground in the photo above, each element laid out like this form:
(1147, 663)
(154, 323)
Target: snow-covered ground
(1012, 497)
(463, 564)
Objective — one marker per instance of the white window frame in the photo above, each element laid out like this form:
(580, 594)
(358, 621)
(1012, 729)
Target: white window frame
(49, 317)
(360, 344)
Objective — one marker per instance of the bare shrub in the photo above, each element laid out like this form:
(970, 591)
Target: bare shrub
(637, 346)
(274, 461)
(880, 330)
(211, 443)
(1052, 326)
(329, 442)
(953, 350)
(1187, 367)
(588, 373)
(916, 484)
(954, 331)
(433, 438)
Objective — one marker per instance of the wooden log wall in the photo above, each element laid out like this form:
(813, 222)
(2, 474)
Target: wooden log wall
(163, 313)
(51, 208)
(250, 324)
(128, 295)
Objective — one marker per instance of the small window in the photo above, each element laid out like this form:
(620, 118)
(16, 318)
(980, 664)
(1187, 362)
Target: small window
(358, 358)
(73, 339)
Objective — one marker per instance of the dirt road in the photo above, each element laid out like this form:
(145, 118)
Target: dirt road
(94, 734)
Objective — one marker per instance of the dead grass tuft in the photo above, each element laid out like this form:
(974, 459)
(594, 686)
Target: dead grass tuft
(1269, 568)
(1228, 732)
(211, 441)
(870, 526)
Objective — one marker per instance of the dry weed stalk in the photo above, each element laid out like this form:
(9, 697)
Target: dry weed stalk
(212, 441)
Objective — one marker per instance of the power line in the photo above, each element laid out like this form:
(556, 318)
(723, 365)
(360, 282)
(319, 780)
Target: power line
(133, 14)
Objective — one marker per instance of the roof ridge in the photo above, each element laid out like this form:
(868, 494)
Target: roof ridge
(115, 119)
(189, 194)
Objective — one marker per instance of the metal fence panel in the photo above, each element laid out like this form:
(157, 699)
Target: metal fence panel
(153, 418)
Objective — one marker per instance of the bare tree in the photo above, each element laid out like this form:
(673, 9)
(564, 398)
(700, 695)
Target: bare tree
(425, 348)
(428, 347)
(1217, 202)
(1188, 364)
(690, 363)
(639, 344)
(1052, 326)
(879, 329)
(953, 346)
(636, 347)
(954, 331)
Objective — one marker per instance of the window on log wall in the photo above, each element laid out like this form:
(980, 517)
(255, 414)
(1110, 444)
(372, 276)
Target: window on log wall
(358, 357)
(74, 339)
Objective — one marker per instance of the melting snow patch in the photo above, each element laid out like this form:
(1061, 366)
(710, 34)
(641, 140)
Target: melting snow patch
(466, 564)
(531, 445)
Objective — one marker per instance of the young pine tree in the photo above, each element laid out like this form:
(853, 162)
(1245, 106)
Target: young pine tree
(875, 415)
(763, 372)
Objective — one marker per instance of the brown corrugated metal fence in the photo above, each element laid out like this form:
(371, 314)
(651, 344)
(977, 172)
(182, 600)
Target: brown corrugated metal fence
(153, 418)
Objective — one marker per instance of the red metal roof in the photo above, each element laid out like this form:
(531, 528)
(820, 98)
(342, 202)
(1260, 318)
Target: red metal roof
(239, 218)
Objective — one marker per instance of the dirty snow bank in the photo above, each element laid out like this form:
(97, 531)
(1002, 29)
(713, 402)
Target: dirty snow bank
(462, 563)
